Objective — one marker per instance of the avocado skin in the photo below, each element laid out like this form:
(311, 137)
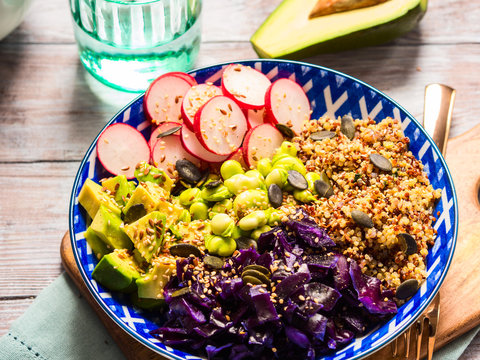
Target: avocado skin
(376, 35)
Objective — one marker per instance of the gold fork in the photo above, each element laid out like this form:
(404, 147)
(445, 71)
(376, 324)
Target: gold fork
(438, 108)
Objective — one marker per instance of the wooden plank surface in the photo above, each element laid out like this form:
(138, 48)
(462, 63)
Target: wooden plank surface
(50, 110)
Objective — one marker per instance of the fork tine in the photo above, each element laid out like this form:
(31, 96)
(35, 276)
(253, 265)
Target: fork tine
(407, 342)
(419, 333)
(433, 315)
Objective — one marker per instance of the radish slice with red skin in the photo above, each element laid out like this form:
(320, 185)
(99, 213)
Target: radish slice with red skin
(245, 85)
(195, 148)
(261, 142)
(286, 103)
(194, 100)
(163, 99)
(255, 117)
(167, 151)
(238, 156)
(160, 129)
(120, 148)
(189, 78)
(220, 125)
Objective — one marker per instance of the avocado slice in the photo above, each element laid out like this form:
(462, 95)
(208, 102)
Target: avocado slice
(145, 172)
(147, 234)
(146, 304)
(150, 286)
(91, 197)
(117, 271)
(108, 226)
(99, 248)
(120, 188)
(290, 33)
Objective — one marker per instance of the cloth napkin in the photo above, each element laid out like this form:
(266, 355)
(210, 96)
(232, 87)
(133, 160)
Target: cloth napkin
(60, 325)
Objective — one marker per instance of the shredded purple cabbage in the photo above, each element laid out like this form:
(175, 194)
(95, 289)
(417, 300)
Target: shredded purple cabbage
(317, 301)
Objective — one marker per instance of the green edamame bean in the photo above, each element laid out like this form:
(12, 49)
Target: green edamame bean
(185, 216)
(257, 232)
(290, 163)
(277, 176)
(253, 220)
(288, 148)
(189, 196)
(241, 182)
(222, 225)
(199, 211)
(250, 199)
(278, 157)
(230, 168)
(275, 218)
(311, 177)
(216, 194)
(218, 245)
(237, 232)
(304, 196)
(256, 174)
(264, 166)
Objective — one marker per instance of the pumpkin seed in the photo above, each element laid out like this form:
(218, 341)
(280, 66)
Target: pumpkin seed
(178, 189)
(169, 132)
(134, 213)
(323, 189)
(407, 289)
(185, 250)
(213, 262)
(256, 274)
(213, 184)
(256, 267)
(347, 127)
(381, 162)
(297, 180)
(322, 135)
(362, 219)
(204, 178)
(275, 195)
(181, 292)
(408, 243)
(188, 171)
(244, 243)
(285, 130)
(251, 280)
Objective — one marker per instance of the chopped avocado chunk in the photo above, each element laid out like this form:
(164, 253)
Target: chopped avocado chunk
(150, 286)
(192, 233)
(291, 32)
(146, 304)
(146, 172)
(120, 188)
(91, 197)
(108, 227)
(99, 248)
(147, 234)
(117, 271)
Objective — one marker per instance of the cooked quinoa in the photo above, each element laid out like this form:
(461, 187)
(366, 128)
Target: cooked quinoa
(400, 201)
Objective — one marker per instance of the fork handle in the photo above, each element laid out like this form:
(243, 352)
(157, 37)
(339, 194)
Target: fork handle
(437, 113)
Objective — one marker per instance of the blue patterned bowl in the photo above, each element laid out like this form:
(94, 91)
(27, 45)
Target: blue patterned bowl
(332, 93)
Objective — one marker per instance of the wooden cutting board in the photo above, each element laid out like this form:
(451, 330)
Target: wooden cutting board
(460, 293)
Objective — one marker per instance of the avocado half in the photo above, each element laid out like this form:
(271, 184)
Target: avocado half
(289, 32)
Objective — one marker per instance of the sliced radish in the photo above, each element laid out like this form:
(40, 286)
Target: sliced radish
(255, 117)
(163, 99)
(220, 125)
(238, 156)
(120, 148)
(261, 142)
(246, 85)
(194, 100)
(189, 78)
(286, 103)
(195, 148)
(161, 129)
(167, 151)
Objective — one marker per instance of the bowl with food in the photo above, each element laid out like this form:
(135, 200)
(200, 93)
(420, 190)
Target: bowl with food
(263, 209)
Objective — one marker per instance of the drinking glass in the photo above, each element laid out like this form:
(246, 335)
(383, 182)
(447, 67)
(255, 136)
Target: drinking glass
(127, 44)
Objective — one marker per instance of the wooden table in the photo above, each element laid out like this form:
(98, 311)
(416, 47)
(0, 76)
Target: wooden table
(50, 110)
